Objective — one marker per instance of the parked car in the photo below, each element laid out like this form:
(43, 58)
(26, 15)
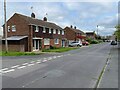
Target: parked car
(113, 42)
(85, 43)
(75, 43)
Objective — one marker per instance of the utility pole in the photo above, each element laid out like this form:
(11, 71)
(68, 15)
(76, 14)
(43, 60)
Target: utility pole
(5, 27)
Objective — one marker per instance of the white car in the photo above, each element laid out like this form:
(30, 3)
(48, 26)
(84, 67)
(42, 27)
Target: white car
(75, 43)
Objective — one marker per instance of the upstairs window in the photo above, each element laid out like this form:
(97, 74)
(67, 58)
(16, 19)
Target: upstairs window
(63, 32)
(54, 31)
(13, 28)
(8, 28)
(58, 31)
(44, 30)
(50, 31)
(36, 29)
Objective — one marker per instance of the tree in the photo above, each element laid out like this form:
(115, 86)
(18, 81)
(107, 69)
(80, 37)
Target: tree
(117, 32)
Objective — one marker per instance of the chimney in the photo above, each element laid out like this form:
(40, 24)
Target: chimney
(74, 27)
(45, 19)
(71, 26)
(33, 15)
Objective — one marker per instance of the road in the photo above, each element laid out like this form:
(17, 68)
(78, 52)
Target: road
(74, 69)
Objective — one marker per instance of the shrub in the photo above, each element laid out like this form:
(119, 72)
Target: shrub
(94, 42)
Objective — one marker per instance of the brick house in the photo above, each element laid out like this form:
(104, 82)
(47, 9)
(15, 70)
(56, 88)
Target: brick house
(31, 34)
(74, 34)
(91, 35)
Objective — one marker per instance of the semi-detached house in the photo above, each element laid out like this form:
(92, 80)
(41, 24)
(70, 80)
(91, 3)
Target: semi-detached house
(31, 34)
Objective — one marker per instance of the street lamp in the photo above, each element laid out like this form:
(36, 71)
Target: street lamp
(97, 31)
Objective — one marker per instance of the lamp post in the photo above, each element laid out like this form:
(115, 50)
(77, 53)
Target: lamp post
(97, 31)
(5, 27)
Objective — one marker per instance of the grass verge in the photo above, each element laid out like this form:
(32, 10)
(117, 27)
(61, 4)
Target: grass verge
(18, 53)
(63, 49)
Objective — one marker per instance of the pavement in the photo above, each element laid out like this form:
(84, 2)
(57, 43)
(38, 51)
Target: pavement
(110, 76)
(78, 68)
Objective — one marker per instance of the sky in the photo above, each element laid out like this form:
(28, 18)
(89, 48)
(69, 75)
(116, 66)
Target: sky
(85, 15)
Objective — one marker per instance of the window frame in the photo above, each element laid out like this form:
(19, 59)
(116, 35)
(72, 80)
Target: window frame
(44, 30)
(46, 42)
(56, 41)
(54, 31)
(8, 28)
(63, 32)
(36, 29)
(14, 26)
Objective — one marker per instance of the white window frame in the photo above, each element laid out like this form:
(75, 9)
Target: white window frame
(8, 28)
(46, 41)
(44, 30)
(63, 32)
(36, 29)
(54, 31)
(58, 31)
(50, 31)
(56, 41)
(13, 28)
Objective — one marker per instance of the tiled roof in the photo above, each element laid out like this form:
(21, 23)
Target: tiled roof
(38, 22)
(76, 30)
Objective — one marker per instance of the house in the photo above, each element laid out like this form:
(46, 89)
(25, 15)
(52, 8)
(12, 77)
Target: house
(74, 34)
(91, 35)
(31, 34)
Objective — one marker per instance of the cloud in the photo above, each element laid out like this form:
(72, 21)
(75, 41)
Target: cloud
(85, 15)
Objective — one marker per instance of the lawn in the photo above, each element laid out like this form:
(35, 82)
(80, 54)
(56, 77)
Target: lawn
(63, 49)
(17, 53)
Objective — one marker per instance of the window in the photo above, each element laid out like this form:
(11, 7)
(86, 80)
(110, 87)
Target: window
(46, 41)
(50, 30)
(54, 31)
(58, 31)
(44, 30)
(8, 28)
(63, 32)
(56, 41)
(13, 28)
(36, 28)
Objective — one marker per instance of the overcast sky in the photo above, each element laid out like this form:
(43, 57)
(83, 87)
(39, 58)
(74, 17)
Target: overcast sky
(84, 15)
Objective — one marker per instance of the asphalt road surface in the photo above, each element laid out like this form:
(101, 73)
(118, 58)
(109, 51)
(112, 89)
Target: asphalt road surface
(74, 69)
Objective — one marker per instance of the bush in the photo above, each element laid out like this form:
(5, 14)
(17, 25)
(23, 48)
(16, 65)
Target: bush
(53, 47)
(94, 42)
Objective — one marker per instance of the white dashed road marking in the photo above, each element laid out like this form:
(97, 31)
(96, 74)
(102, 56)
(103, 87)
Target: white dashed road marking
(30, 64)
(21, 67)
(7, 70)
(4, 69)
(44, 60)
(24, 63)
(15, 66)
(11, 70)
(38, 62)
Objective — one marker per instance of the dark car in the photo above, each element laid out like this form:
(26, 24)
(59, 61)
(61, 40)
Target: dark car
(113, 43)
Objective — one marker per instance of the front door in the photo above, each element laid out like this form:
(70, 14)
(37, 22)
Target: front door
(36, 45)
(63, 43)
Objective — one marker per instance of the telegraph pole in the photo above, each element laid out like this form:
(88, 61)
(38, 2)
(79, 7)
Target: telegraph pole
(5, 27)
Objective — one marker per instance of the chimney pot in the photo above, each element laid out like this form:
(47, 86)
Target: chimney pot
(75, 27)
(33, 15)
(44, 19)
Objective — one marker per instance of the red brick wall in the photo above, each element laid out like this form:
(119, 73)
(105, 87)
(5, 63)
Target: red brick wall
(70, 35)
(21, 26)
